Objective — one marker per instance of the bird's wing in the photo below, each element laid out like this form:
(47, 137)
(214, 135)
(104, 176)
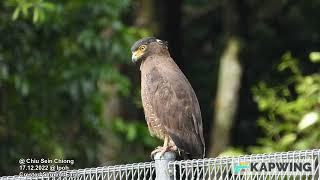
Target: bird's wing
(176, 106)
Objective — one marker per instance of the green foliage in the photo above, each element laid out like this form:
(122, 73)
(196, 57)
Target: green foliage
(53, 68)
(291, 109)
(134, 132)
(231, 152)
(38, 8)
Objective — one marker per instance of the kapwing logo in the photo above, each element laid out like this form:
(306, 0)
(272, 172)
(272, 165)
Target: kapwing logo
(301, 167)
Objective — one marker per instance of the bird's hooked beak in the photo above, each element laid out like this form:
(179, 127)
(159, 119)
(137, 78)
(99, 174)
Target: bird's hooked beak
(136, 56)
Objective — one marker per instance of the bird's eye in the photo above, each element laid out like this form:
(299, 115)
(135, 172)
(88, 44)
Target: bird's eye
(143, 47)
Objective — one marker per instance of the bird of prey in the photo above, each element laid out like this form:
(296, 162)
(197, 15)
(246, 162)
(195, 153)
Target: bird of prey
(170, 105)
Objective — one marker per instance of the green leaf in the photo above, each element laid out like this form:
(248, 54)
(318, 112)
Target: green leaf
(288, 139)
(25, 7)
(36, 15)
(315, 57)
(308, 120)
(48, 6)
(132, 132)
(16, 13)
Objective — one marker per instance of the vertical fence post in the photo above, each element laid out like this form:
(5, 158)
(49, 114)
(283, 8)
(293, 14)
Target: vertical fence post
(161, 164)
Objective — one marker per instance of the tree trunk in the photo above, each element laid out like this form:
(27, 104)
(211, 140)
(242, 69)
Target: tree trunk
(110, 146)
(146, 16)
(227, 97)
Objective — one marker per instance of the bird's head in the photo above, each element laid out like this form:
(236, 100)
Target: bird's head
(146, 47)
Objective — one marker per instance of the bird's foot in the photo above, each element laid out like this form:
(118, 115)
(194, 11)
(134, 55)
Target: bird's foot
(162, 150)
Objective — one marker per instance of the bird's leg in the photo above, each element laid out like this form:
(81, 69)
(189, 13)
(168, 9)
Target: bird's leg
(166, 141)
(162, 149)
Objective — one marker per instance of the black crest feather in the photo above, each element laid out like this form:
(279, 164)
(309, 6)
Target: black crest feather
(142, 41)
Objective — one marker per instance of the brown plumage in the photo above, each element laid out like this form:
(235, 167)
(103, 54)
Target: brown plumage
(170, 105)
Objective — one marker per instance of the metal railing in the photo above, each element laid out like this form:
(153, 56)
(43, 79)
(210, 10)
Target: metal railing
(304, 165)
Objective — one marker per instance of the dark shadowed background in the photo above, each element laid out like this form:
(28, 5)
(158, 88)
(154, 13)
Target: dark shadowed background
(68, 88)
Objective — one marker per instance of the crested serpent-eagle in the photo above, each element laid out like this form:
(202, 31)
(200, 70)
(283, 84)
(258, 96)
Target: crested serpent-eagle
(170, 105)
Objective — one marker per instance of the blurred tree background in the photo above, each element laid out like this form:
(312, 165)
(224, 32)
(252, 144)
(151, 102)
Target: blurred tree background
(68, 88)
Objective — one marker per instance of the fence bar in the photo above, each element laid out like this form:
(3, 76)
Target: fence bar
(163, 172)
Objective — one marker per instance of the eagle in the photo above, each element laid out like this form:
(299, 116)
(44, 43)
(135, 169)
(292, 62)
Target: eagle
(170, 104)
